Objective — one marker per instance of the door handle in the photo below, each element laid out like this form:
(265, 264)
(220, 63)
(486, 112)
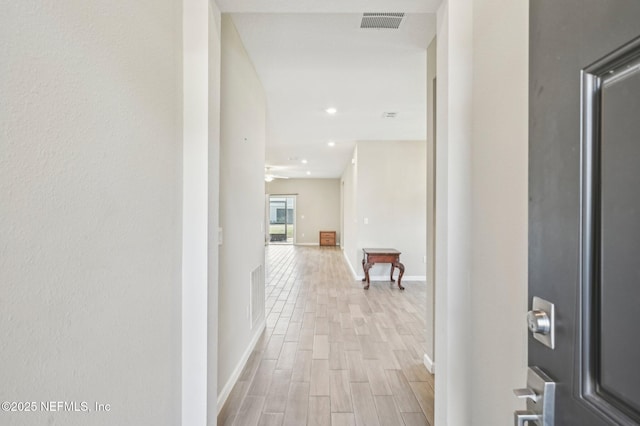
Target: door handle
(526, 393)
(522, 417)
(540, 395)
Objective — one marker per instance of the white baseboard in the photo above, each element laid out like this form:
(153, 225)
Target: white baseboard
(431, 366)
(226, 390)
(353, 271)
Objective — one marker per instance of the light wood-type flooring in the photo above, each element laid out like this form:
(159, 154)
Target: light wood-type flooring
(333, 353)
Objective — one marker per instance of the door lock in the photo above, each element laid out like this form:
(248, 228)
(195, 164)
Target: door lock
(541, 322)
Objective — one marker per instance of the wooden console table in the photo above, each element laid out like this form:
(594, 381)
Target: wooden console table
(371, 256)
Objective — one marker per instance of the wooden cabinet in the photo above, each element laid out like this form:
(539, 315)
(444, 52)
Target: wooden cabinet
(327, 238)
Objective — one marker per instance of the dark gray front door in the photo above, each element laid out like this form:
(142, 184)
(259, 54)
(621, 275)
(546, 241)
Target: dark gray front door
(584, 203)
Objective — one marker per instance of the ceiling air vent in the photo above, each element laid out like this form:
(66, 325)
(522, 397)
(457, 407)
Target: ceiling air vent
(381, 20)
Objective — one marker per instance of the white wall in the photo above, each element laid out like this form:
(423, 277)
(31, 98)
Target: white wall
(317, 206)
(215, 26)
(481, 211)
(453, 215)
(392, 195)
(195, 214)
(499, 222)
(90, 209)
(349, 239)
(431, 214)
(242, 156)
(387, 186)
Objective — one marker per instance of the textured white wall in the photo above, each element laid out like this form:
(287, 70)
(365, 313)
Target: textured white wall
(317, 206)
(242, 156)
(90, 209)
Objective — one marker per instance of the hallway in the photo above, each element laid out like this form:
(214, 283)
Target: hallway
(332, 353)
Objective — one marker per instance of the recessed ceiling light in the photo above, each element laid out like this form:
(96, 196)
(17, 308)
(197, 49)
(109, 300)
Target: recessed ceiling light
(331, 110)
(331, 143)
(304, 161)
(308, 173)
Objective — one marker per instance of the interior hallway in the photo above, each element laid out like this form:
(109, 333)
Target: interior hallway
(333, 353)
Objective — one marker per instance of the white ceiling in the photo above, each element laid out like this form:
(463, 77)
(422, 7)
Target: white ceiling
(308, 62)
(328, 6)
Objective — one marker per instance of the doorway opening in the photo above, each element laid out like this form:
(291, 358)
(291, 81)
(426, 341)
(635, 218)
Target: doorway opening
(282, 213)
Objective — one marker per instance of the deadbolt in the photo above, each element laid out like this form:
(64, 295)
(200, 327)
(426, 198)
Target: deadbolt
(539, 321)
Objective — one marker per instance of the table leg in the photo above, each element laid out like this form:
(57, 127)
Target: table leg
(391, 275)
(366, 268)
(401, 267)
